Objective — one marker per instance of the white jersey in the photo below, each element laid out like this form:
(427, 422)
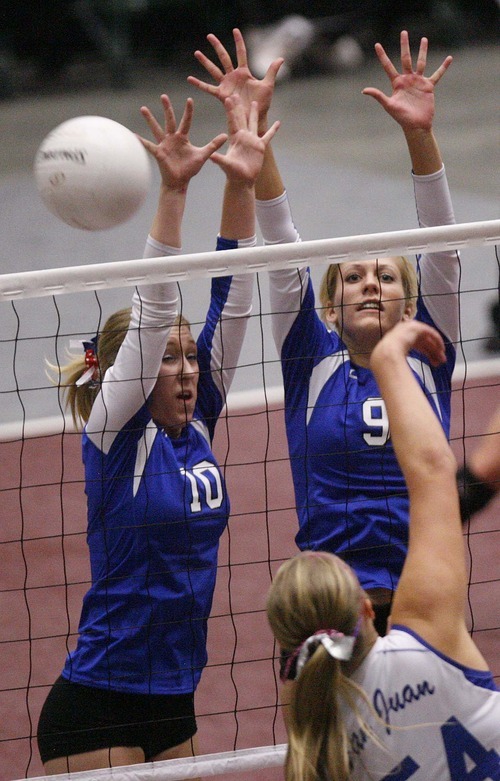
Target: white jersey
(442, 719)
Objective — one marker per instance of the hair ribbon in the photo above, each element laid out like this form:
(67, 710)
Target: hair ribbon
(91, 374)
(338, 645)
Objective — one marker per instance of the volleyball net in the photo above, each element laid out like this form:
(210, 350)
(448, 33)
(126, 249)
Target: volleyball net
(45, 568)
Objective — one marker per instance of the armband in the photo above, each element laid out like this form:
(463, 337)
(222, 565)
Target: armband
(474, 495)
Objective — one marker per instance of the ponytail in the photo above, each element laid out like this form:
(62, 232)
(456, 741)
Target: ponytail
(80, 378)
(315, 590)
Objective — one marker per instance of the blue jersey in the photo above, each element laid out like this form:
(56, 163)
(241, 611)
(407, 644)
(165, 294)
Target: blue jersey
(439, 720)
(350, 493)
(157, 506)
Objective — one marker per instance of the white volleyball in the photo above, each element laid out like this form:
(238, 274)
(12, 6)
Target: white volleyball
(92, 172)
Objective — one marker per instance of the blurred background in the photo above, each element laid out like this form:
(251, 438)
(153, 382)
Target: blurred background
(45, 43)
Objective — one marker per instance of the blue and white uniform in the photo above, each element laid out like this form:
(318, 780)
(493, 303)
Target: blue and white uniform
(350, 493)
(425, 699)
(156, 506)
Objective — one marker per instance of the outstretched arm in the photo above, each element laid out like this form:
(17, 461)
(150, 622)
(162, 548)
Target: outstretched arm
(229, 78)
(241, 164)
(430, 598)
(412, 103)
(178, 161)
(412, 106)
(128, 383)
(222, 337)
(272, 207)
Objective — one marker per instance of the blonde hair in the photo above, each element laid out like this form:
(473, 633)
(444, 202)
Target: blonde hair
(332, 276)
(313, 591)
(80, 398)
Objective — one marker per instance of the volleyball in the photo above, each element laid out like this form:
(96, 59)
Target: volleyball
(92, 172)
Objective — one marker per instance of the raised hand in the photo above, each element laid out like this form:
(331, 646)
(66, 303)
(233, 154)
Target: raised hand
(178, 160)
(411, 335)
(244, 157)
(230, 79)
(412, 101)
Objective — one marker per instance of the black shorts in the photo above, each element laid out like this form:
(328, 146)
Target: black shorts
(76, 719)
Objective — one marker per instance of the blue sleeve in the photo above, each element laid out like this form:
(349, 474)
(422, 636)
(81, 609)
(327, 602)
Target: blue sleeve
(220, 341)
(226, 243)
(307, 342)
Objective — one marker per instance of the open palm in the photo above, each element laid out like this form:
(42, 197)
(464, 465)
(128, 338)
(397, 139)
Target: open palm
(239, 80)
(177, 158)
(412, 101)
(245, 154)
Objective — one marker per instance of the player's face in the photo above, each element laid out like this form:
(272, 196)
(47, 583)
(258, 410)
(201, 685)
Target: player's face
(369, 300)
(173, 399)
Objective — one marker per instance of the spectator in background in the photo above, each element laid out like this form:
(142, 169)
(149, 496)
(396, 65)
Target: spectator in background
(333, 36)
(50, 34)
(316, 35)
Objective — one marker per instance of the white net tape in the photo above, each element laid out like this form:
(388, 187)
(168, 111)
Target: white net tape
(206, 766)
(130, 273)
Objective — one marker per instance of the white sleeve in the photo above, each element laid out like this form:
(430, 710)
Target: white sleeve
(440, 271)
(128, 383)
(232, 325)
(276, 221)
(287, 286)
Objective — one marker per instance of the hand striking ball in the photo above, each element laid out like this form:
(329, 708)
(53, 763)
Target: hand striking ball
(92, 172)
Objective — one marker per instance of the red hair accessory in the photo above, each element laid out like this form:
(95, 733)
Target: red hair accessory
(91, 375)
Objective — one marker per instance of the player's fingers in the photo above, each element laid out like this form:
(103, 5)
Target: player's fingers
(215, 144)
(435, 349)
(187, 118)
(241, 49)
(221, 52)
(148, 145)
(426, 339)
(155, 127)
(385, 61)
(211, 68)
(233, 118)
(273, 70)
(203, 86)
(168, 110)
(406, 63)
(379, 96)
(422, 56)
(219, 160)
(441, 70)
(266, 138)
